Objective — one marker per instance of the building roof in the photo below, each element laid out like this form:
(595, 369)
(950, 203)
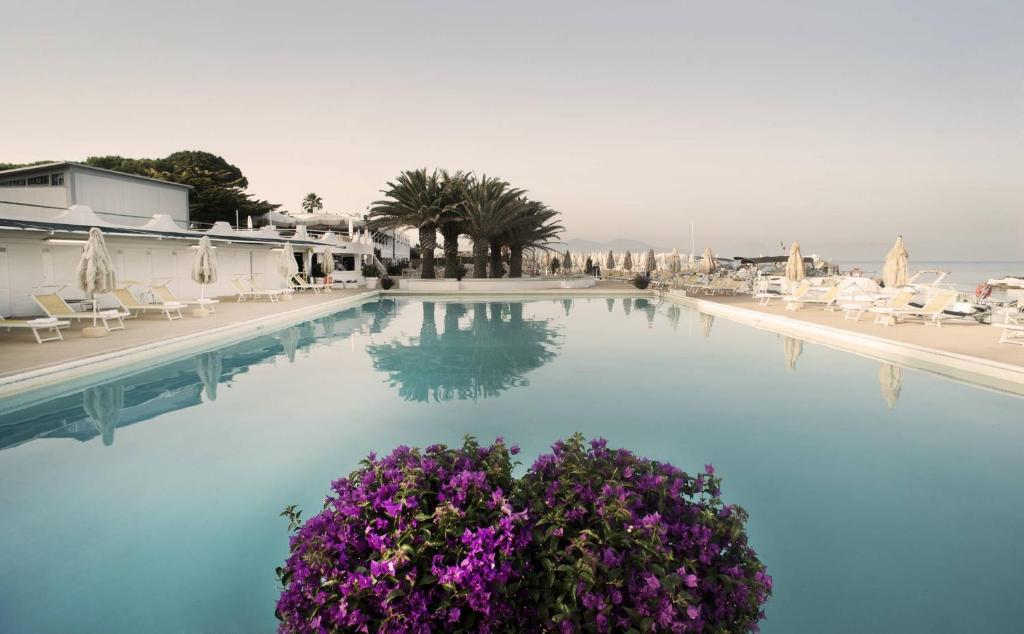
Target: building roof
(44, 167)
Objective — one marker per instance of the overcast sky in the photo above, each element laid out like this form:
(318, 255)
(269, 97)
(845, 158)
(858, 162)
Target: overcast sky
(838, 124)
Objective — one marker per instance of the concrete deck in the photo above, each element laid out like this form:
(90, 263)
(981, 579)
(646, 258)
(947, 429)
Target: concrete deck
(19, 352)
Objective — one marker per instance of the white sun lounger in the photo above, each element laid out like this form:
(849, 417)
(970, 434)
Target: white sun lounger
(35, 325)
(249, 292)
(166, 295)
(300, 284)
(128, 301)
(54, 306)
(931, 313)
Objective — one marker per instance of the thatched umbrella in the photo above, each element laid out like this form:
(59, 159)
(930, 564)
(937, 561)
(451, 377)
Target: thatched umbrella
(610, 262)
(707, 262)
(95, 276)
(894, 271)
(627, 261)
(890, 379)
(103, 404)
(795, 264)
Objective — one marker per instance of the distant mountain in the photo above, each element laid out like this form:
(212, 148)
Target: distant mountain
(634, 246)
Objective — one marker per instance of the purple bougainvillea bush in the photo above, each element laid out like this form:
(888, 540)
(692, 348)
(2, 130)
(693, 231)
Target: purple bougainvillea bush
(589, 540)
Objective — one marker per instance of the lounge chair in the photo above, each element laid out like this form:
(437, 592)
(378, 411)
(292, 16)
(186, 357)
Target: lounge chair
(297, 283)
(883, 309)
(164, 293)
(249, 292)
(35, 325)
(932, 311)
(793, 300)
(54, 306)
(826, 300)
(128, 301)
(1013, 326)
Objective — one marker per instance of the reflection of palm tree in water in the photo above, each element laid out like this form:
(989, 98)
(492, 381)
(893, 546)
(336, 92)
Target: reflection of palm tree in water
(103, 404)
(492, 355)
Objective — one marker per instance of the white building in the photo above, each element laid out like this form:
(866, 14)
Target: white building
(125, 199)
(41, 238)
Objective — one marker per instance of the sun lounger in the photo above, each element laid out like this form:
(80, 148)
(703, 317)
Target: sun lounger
(826, 300)
(54, 306)
(932, 311)
(128, 301)
(300, 284)
(248, 292)
(35, 325)
(164, 293)
(1012, 333)
(793, 300)
(882, 310)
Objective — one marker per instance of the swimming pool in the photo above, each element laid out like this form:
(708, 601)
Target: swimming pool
(880, 498)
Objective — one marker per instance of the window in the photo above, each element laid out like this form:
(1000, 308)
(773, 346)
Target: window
(13, 182)
(57, 180)
(39, 181)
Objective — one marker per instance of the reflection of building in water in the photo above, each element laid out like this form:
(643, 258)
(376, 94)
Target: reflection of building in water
(491, 352)
(99, 410)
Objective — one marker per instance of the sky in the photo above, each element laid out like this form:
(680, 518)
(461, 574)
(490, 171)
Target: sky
(838, 124)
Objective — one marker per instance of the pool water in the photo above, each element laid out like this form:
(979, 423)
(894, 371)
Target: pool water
(882, 499)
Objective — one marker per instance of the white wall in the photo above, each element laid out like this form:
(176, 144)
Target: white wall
(47, 196)
(29, 265)
(128, 201)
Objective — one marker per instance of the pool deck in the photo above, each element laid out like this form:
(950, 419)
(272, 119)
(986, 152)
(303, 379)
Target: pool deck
(962, 350)
(25, 364)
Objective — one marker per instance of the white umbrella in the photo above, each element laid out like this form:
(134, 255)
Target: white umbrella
(894, 272)
(707, 262)
(890, 379)
(287, 266)
(650, 264)
(209, 367)
(204, 266)
(103, 405)
(326, 261)
(795, 264)
(248, 222)
(95, 275)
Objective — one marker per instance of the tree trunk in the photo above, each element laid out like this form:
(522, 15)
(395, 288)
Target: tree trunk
(479, 257)
(515, 261)
(497, 269)
(451, 250)
(428, 242)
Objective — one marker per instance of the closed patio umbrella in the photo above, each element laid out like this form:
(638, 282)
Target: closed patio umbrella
(204, 267)
(95, 276)
(890, 379)
(707, 262)
(103, 405)
(795, 264)
(326, 259)
(209, 367)
(567, 262)
(674, 265)
(650, 263)
(610, 262)
(286, 265)
(627, 261)
(894, 271)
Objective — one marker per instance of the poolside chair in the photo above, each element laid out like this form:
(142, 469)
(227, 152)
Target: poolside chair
(128, 301)
(35, 325)
(297, 283)
(882, 307)
(164, 293)
(932, 311)
(793, 300)
(826, 300)
(248, 292)
(54, 306)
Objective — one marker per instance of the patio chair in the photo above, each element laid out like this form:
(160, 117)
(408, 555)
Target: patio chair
(55, 306)
(35, 325)
(826, 300)
(166, 295)
(882, 308)
(793, 300)
(297, 283)
(249, 292)
(932, 311)
(128, 301)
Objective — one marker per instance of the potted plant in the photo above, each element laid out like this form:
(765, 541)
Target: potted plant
(370, 274)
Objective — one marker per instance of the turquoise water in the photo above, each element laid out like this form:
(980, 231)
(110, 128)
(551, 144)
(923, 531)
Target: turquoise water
(149, 502)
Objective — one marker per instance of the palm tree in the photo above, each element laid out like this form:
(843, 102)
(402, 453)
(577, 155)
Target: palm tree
(416, 199)
(312, 203)
(490, 206)
(451, 221)
(534, 227)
